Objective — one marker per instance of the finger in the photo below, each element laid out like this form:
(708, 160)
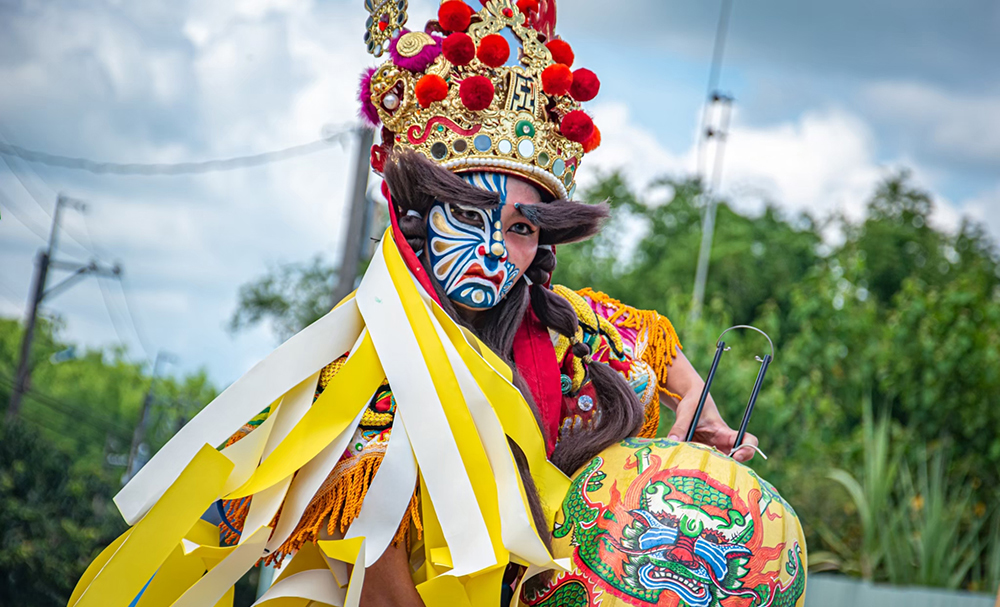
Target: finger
(685, 413)
(746, 454)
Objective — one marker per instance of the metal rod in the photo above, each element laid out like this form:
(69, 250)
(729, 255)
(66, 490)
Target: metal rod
(719, 348)
(753, 399)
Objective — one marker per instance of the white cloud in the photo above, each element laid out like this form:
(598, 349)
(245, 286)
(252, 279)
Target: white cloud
(962, 125)
(169, 81)
(229, 79)
(821, 162)
(985, 208)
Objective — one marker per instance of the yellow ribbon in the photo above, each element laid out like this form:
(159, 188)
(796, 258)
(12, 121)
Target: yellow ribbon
(459, 418)
(149, 543)
(330, 415)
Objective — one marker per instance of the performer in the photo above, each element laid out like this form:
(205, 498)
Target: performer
(423, 431)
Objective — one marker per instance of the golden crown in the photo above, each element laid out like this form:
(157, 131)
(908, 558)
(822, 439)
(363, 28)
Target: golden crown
(454, 93)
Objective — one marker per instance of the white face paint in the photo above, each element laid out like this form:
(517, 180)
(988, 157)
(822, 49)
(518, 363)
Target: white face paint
(467, 250)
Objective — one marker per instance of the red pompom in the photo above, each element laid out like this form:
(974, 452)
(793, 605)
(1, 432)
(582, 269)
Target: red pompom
(592, 142)
(493, 50)
(561, 51)
(557, 79)
(585, 85)
(577, 126)
(455, 16)
(527, 6)
(430, 88)
(476, 92)
(459, 48)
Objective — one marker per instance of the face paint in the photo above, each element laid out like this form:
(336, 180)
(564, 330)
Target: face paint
(469, 256)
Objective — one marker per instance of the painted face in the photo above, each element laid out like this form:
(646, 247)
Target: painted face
(469, 250)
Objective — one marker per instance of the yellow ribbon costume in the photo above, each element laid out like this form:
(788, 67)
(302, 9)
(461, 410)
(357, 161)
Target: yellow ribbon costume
(455, 408)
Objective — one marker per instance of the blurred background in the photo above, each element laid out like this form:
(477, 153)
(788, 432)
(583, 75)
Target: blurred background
(843, 157)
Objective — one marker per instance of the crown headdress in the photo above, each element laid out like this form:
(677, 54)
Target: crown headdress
(456, 94)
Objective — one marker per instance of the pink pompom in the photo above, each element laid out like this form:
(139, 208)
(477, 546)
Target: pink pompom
(367, 111)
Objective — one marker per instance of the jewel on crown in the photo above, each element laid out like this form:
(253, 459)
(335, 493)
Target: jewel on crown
(491, 89)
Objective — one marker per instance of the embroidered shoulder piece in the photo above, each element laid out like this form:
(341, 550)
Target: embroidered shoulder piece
(649, 336)
(613, 344)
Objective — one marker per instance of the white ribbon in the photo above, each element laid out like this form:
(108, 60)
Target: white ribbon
(388, 496)
(430, 435)
(298, 358)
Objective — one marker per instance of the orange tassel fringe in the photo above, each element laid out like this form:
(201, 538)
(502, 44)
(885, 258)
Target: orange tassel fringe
(662, 344)
(337, 505)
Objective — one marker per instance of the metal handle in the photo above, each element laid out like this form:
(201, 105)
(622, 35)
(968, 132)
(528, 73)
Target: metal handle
(719, 349)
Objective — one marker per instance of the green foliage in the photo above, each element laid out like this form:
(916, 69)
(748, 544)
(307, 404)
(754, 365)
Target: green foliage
(898, 316)
(921, 529)
(289, 296)
(871, 496)
(649, 250)
(62, 460)
(54, 521)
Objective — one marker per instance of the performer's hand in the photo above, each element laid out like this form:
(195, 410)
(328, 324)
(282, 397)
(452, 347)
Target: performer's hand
(712, 430)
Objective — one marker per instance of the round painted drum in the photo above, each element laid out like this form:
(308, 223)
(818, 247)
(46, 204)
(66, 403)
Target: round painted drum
(655, 522)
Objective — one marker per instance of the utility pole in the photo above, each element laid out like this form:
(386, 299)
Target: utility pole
(43, 264)
(711, 204)
(140, 428)
(713, 99)
(354, 237)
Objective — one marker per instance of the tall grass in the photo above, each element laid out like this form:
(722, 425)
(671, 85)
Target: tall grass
(872, 495)
(918, 525)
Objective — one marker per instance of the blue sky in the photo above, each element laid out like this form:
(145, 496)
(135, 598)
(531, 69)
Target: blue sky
(830, 96)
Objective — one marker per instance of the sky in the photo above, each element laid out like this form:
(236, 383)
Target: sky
(829, 98)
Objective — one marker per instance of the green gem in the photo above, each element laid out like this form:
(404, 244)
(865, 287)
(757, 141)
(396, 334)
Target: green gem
(543, 159)
(440, 129)
(524, 128)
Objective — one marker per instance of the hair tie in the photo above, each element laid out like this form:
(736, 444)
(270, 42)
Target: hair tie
(412, 213)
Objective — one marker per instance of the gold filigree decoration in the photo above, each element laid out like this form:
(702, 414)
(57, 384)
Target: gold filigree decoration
(386, 19)
(411, 43)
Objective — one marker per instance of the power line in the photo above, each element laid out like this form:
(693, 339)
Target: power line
(30, 225)
(96, 421)
(36, 198)
(140, 335)
(111, 314)
(180, 168)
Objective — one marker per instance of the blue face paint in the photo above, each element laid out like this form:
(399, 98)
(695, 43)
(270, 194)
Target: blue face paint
(467, 250)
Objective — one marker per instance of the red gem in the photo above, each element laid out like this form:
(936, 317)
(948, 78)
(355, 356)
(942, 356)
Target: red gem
(383, 405)
(507, 12)
(382, 25)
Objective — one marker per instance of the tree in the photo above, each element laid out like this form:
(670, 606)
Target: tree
(289, 296)
(53, 520)
(901, 316)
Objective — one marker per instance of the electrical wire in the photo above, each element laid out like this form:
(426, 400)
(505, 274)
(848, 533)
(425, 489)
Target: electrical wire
(179, 168)
(13, 294)
(120, 278)
(111, 314)
(140, 335)
(15, 211)
(38, 200)
(77, 413)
